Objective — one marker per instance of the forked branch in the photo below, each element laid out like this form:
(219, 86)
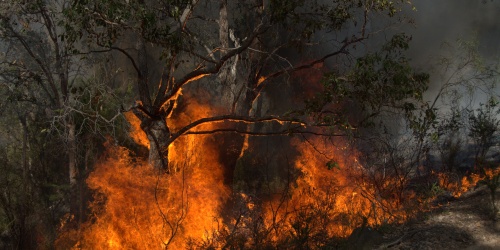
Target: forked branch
(202, 72)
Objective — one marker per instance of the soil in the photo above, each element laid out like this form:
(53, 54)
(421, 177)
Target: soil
(464, 223)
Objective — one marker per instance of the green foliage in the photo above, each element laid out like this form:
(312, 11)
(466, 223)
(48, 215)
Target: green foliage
(304, 18)
(386, 77)
(44, 85)
(33, 191)
(435, 190)
(103, 23)
(492, 181)
(379, 82)
(484, 122)
(281, 9)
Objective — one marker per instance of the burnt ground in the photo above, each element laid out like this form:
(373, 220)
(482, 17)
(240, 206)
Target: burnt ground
(464, 223)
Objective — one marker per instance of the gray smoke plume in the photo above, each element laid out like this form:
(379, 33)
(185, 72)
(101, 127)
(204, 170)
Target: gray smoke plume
(447, 20)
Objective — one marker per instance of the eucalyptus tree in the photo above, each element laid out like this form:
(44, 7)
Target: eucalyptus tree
(239, 46)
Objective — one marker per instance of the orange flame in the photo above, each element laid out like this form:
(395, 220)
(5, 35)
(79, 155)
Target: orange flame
(143, 209)
(343, 188)
(136, 133)
(137, 207)
(466, 183)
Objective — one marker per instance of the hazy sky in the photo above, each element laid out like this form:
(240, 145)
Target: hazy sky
(438, 21)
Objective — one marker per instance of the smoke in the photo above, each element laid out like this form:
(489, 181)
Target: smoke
(447, 20)
(440, 27)
(442, 21)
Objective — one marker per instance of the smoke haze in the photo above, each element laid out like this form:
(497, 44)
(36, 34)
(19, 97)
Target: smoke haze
(447, 20)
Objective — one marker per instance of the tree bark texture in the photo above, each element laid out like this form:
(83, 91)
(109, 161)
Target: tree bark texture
(73, 170)
(159, 137)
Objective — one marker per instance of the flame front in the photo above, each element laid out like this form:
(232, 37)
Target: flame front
(327, 195)
(138, 208)
(461, 186)
(340, 194)
(136, 133)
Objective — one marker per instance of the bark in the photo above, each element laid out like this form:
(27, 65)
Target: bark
(142, 76)
(227, 74)
(158, 136)
(73, 171)
(24, 155)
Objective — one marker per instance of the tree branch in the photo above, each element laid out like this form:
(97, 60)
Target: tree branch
(202, 72)
(239, 131)
(30, 52)
(123, 51)
(233, 118)
(341, 50)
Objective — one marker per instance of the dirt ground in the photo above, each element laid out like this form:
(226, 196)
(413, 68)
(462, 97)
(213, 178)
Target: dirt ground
(464, 223)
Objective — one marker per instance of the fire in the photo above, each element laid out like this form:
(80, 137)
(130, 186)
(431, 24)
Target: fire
(124, 188)
(343, 189)
(327, 195)
(138, 208)
(136, 133)
(466, 183)
(261, 80)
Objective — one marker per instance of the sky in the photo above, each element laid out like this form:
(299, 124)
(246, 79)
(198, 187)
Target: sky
(445, 21)
(438, 21)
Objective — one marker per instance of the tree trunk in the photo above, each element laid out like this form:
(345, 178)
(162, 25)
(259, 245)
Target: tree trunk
(24, 155)
(158, 136)
(73, 171)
